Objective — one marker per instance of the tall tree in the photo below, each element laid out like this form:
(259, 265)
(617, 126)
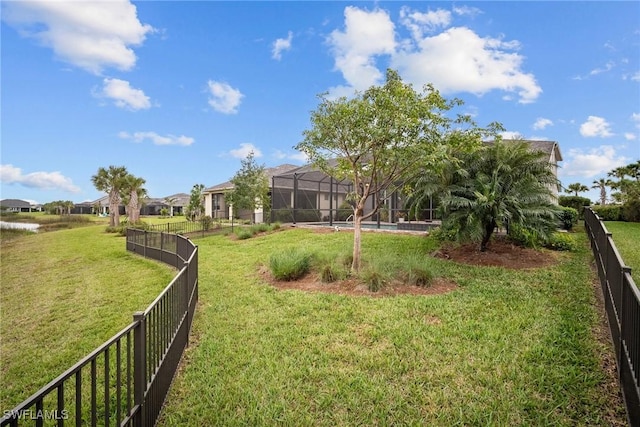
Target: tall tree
(195, 209)
(133, 192)
(250, 187)
(111, 180)
(602, 185)
(504, 184)
(378, 139)
(576, 188)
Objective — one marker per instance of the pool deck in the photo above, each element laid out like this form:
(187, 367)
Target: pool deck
(407, 227)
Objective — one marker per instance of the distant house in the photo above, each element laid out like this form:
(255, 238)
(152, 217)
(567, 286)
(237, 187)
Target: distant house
(175, 205)
(214, 198)
(16, 205)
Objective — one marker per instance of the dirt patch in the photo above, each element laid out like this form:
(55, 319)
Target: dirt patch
(353, 287)
(500, 253)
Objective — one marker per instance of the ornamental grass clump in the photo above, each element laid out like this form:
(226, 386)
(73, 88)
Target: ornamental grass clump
(416, 273)
(290, 265)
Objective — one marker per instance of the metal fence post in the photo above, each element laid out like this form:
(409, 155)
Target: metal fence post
(139, 366)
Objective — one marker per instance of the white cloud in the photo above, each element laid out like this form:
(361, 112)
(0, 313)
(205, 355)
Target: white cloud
(244, 150)
(281, 45)
(91, 35)
(10, 174)
(157, 139)
(630, 136)
(608, 67)
(454, 60)
(542, 123)
(635, 117)
(510, 135)
(459, 60)
(366, 35)
(591, 162)
(123, 95)
(224, 99)
(296, 156)
(420, 23)
(466, 11)
(596, 126)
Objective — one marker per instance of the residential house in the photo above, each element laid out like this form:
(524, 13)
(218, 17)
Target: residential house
(16, 205)
(216, 207)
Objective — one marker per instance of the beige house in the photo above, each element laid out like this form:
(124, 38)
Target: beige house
(305, 194)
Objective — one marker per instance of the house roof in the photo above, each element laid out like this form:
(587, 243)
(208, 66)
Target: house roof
(14, 203)
(547, 147)
(269, 173)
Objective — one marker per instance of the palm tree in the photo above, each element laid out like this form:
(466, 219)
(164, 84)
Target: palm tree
(132, 192)
(602, 184)
(505, 184)
(170, 201)
(576, 188)
(110, 181)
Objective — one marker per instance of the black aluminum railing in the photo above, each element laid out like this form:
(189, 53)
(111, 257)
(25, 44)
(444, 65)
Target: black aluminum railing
(622, 304)
(124, 382)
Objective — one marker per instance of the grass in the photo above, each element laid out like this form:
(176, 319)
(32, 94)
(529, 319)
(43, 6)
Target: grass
(61, 295)
(626, 236)
(508, 348)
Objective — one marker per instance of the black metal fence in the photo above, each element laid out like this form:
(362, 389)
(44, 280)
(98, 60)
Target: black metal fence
(124, 382)
(192, 228)
(622, 304)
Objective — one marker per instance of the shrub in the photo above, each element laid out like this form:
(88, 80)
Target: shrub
(576, 202)
(374, 278)
(444, 233)
(524, 237)
(608, 212)
(290, 265)
(561, 242)
(417, 274)
(243, 233)
(631, 210)
(206, 221)
(344, 211)
(331, 272)
(568, 217)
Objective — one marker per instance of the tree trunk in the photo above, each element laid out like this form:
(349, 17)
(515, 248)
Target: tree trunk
(134, 210)
(114, 209)
(488, 231)
(357, 238)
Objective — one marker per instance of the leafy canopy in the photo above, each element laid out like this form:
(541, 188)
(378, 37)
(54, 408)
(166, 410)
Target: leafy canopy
(250, 186)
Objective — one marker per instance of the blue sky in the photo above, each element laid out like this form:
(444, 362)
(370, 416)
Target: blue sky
(180, 92)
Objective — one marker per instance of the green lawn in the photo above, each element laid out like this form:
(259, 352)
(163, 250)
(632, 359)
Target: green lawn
(508, 348)
(626, 236)
(62, 294)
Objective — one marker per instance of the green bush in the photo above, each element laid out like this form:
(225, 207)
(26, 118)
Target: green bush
(290, 265)
(561, 242)
(243, 233)
(568, 217)
(576, 202)
(344, 211)
(332, 272)
(524, 237)
(608, 212)
(416, 274)
(374, 278)
(631, 210)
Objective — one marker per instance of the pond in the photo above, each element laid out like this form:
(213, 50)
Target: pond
(20, 225)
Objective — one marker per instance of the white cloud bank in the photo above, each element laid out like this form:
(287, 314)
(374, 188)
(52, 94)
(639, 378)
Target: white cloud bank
(542, 123)
(454, 59)
(595, 127)
(91, 35)
(280, 45)
(10, 174)
(157, 139)
(591, 162)
(244, 150)
(223, 98)
(123, 95)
